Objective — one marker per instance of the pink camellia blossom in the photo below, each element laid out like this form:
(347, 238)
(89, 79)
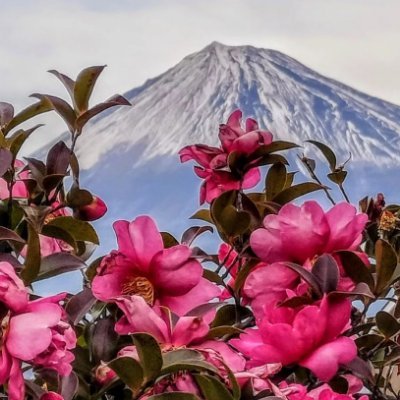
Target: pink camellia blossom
(234, 138)
(51, 396)
(35, 335)
(299, 233)
(93, 211)
(104, 374)
(185, 332)
(142, 266)
(308, 336)
(13, 293)
(213, 161)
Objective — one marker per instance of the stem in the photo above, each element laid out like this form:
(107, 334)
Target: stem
(344, 192)
(222, 264)
(316, 179)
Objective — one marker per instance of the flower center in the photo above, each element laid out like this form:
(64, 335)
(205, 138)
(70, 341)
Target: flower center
(387, 221)
(139, 286)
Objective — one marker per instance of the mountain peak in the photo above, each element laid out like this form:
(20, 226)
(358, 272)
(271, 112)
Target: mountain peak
(187, 103)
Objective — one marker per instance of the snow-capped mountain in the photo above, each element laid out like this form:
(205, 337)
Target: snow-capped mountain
(185, 105)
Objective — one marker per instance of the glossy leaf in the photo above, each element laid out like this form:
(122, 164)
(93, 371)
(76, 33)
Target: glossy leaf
(306, 276)
(326, 272)
(59, 263)
(103, 340)
(116, 100)
(193, 232)
(355, 268)
(18, 138)
(168, 240)
(149, 353)
(32, 260)
(79, 230)
(338, 177)
(69, 386)
(387, 324)
(27, 113)
(203, 214)
(129, 371)
(223, 330)
(10, 235)
(6, 159)
(59, 233)
(84, 85)
(275, 180)
(58, 159)
(6, 113)
(327, 152)
(61, 107)
(296, 191)
(79, 305)
(77, 197)
(212, 388)
(386, 263)
(66, 81)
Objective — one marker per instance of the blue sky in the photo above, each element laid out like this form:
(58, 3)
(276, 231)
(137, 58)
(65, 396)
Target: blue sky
(354, 41)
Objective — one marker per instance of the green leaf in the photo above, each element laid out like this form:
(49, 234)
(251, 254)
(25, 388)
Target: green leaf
(212, 388)
(188, 365)
(59, 263)
(203, 214)
(386, 263)
(116, 100)
(129, 371)
(293, 192)
(338, 177)
(84, 85)
(327, 152)
(387, 324)
(168, 240)
(9, 235)
(226, 315)
(275, 180)
(31, 111)
(243, 274)
(32, 260)
(212, 277)
(66, 81)
(61, 107)
(56, 232)
(18, 138)
(150, 355)
(77, 197)
(223, 330)
(181, 355)
(355, 268)
(79, 230)
(193, 232)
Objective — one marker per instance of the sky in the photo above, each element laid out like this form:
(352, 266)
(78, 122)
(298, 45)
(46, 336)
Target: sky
(353, 41)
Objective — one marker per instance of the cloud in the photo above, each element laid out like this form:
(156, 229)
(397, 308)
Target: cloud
(351, 41)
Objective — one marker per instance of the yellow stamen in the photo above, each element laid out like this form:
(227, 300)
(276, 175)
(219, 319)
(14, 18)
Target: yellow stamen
(139, 286)
(387, 221)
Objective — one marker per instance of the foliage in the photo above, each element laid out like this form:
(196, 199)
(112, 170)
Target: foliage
(286, 307)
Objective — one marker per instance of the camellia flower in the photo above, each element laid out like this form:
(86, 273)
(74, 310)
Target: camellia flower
(308, 336)
(213, 161)
(93, 211)
(185, 332)
(142, 266)
(299, 233)
(51, 396)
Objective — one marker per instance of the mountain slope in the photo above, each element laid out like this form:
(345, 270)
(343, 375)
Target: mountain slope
(185, 105)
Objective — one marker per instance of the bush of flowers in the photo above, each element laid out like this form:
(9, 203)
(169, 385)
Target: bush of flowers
(288, 306)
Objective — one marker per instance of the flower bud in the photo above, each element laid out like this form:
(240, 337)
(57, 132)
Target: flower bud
(95, 210)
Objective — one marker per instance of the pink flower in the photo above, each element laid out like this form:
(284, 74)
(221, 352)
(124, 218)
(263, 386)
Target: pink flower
(34, 336)
(95, 210)
(13, 292)
(172, 333)
(308, 336)
(104, 374)
(234, 138)
(299, 233)
(213, 161)
(269, 284)
(170, 277)
(51, 396)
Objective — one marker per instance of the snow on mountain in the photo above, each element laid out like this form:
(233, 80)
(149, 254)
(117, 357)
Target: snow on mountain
(186, 104)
